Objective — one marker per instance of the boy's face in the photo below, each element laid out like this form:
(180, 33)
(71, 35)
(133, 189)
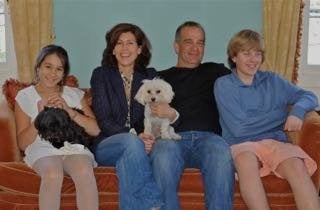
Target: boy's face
(247, 62)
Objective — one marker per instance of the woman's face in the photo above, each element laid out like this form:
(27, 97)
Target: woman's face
(50, 71)
(126, 51)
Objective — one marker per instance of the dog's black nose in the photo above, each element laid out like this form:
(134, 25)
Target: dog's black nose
(153, 99)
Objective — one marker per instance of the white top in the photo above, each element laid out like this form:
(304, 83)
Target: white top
(28, 99)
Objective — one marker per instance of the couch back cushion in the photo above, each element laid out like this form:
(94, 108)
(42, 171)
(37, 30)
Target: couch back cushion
(9, 150)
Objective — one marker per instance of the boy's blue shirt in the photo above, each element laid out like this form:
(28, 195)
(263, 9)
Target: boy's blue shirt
(259, 111)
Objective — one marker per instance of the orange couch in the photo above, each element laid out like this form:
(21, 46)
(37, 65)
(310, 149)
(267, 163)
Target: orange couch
(19, 184)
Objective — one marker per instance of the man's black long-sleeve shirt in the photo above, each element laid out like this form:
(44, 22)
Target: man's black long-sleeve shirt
(194, 97)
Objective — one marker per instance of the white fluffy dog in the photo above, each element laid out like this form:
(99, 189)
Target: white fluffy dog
(153, 91)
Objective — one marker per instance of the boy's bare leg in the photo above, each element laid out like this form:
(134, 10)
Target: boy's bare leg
(251, 188)
(305, 194)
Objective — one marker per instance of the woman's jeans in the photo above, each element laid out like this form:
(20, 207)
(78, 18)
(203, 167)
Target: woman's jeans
(137, 187)
(204, 150)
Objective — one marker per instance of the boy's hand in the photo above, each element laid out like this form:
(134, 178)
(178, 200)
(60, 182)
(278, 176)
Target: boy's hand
(293, 123)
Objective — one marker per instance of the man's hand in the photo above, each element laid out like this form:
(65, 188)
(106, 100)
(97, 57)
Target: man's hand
(148, 140)
(163, 110)
(293, 123)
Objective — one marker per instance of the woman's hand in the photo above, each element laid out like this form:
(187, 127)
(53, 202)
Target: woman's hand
(148, 140)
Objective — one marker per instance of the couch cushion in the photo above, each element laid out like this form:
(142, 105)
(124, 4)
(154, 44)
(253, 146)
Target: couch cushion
(24, 201)
(18, 177)
(191, 182)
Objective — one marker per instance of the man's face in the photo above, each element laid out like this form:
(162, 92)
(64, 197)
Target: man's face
(190, 47)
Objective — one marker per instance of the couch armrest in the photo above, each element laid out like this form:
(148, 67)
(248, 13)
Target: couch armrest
(8, 142)
(309, 140)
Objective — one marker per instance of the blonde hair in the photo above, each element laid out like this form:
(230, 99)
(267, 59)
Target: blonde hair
(244, 40)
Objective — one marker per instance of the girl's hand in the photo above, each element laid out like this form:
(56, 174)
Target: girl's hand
(55, 100)
(41, 104)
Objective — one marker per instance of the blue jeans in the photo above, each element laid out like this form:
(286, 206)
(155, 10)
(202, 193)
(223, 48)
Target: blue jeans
(204, 150)
(137, 187)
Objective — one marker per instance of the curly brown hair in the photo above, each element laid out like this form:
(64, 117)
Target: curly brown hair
(112, 36)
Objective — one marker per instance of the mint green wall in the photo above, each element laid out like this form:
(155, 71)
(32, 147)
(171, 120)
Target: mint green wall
(80, 26)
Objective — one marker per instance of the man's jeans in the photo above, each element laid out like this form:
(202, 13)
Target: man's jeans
(137, 187)
(204, 150)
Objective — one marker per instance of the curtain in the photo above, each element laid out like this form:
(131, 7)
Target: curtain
(282, 36)
(32, 29)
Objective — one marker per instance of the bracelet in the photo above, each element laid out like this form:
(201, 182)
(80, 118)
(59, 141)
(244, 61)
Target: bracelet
(176, 118)
(74, 116)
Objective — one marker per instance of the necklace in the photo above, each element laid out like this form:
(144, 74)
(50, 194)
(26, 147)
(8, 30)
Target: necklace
(43, 92)
(127, 81)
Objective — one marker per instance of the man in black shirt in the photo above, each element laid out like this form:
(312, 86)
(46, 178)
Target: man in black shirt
(195, 117)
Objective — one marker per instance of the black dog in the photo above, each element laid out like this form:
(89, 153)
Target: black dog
(56, 126)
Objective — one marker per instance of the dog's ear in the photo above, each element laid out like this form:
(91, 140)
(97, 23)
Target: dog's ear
(140, 96)
(167, 91)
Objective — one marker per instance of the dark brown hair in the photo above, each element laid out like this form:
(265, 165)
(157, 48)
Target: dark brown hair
(60, 52)
(112, 36)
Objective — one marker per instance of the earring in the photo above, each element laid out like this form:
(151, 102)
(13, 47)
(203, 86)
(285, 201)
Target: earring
(62, 81)
(37, 78)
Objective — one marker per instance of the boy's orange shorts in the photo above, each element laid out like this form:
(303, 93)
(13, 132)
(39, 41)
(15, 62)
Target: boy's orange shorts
(271, 153)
